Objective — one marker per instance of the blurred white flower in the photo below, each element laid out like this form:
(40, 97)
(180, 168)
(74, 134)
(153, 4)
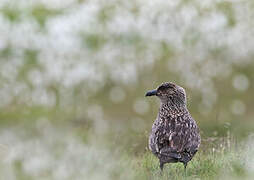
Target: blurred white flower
(61, 45)
(54, 153)
(241, 82)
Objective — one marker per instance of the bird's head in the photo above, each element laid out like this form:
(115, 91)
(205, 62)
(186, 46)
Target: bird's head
(169, 92)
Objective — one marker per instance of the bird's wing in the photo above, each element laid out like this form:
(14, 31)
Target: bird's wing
(192, 137)
(177, 135)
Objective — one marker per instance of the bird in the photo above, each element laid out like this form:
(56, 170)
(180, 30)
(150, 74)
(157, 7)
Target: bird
(175, 136)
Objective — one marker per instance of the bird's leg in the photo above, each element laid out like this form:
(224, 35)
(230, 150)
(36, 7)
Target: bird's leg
(161, 166)
(185, 166)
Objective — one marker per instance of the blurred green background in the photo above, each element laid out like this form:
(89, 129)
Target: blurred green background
(73, 74)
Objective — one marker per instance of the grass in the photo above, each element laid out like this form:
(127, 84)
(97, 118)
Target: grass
(223, 159)
(57, 152)
(88, 155)
(204, 166)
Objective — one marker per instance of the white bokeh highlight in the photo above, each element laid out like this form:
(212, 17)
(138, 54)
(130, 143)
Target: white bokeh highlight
(240, 82)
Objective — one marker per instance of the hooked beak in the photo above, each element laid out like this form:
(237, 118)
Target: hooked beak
(151, 93)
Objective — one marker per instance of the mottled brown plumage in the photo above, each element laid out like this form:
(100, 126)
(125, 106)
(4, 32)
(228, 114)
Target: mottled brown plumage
(175, 135)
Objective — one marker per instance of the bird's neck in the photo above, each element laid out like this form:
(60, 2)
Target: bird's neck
(172, 108)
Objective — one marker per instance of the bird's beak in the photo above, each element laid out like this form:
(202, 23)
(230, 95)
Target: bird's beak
(152, 93)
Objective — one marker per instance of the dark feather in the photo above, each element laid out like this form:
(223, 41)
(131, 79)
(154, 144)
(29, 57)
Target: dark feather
(175, 135)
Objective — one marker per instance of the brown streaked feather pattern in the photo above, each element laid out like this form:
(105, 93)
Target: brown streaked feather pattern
(175, 135)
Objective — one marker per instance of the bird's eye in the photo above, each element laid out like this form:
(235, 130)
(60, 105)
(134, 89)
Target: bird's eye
(162, 88)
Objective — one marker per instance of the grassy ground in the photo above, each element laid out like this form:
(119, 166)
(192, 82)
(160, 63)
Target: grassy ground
(225, 160)
(47, 150)
(203, 166)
